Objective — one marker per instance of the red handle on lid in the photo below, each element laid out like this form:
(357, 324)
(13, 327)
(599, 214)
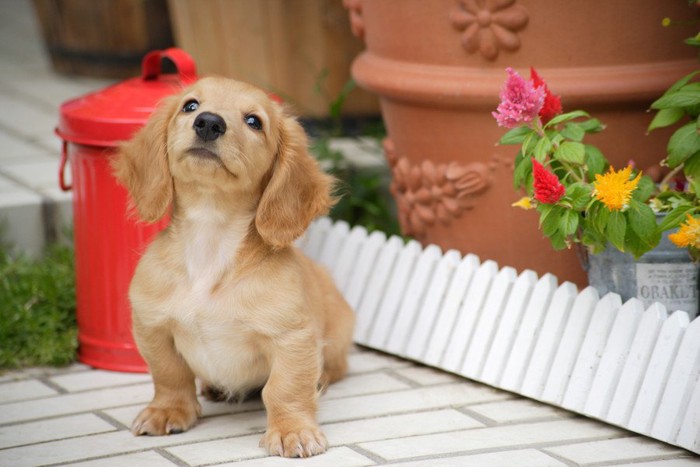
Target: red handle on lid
(152, 63)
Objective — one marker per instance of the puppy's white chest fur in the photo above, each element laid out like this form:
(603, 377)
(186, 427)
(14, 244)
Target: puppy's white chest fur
(209, 332)
(211, 246)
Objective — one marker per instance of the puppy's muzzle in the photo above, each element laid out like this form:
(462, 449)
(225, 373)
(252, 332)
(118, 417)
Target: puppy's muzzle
(209, 126)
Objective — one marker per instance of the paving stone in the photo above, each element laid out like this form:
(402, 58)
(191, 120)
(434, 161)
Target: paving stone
(221, 450)
(412, 400)
(685, 462)
(355, 385)
(364, 362)
(426, 376)
(337, 457)
(53, 429)
(614, 450)
(490, 438)
(398, 426)
(518, 410)
(97, 379)
(138, 459)
(123, 442)
(75, 403)
(23, 390)
(519, 458)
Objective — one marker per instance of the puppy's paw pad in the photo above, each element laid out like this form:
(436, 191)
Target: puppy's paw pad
(157, 422)
(305, 442)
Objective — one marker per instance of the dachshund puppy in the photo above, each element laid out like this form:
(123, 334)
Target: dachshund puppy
(222, 294)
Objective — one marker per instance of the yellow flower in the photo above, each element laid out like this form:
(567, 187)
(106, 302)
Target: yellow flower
(688, 234)
(614, 189)
(524, 203)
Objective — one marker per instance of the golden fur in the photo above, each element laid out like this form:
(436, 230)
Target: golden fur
(222, 294)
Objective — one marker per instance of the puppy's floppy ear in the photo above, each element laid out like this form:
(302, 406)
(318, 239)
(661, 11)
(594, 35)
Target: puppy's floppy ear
(141, 165)
(298, 190)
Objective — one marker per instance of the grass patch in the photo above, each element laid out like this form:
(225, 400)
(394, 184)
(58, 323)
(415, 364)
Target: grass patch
(37, 309)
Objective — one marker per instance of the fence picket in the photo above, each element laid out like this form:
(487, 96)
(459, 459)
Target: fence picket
(348, 255)
(413, 299)
(679, 387)
(613, 359)
(528, 332)
(689, 435)
(488, 321)
(660, 363)
(430, 311)
(312, 242)
(467, 315)
(365, 264)
(377, 287)
(512, 315)
(394, 294)
(590, 352)
(449, 309)
(547, 344)
(571, 340)
(636, 365)
(334, 241)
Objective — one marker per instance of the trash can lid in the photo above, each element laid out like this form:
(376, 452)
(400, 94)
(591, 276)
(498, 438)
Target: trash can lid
(112, 115)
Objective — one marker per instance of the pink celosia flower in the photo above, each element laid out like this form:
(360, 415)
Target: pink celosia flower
(520, 103)
(548, 188)
(552, 103)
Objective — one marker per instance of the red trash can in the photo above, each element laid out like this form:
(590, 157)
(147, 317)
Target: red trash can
(108, 242)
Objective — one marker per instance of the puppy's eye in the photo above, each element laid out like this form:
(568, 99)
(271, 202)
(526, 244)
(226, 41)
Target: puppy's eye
(254, 122)
(190, 106)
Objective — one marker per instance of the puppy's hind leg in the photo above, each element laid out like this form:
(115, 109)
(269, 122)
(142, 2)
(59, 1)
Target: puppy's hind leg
(174, 407)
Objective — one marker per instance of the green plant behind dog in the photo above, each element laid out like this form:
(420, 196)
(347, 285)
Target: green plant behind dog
(37, 311)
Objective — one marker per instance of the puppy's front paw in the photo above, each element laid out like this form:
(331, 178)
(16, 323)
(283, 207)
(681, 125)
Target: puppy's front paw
(305, 441)
(164, 421)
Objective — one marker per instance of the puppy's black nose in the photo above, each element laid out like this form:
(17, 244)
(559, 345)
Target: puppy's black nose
(209, 126)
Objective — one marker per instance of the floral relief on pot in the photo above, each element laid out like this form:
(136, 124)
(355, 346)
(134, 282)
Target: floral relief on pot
(489, 26)
(428, 193)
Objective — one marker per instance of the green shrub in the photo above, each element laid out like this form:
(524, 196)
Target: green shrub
(37, 309)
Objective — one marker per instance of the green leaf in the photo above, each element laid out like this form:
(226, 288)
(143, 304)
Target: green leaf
(595, 161)
(592, 125)
(568, 223)
(599, 215)
(565, 117)
(551, 223)
(523, 168)
(683, 143)
(571, 152)
(677, 99)
(544, 210)
(573, 131)
(634, 245)
(558, 241)
(645, 188)
(616, 229)
(579, 195)
(542, 148)
(675, 217)
(516, 135)
(691, 167)
(681, 82)
(642, 221)
(666, 117)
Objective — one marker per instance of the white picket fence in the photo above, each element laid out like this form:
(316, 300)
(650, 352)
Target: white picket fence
(619, 363)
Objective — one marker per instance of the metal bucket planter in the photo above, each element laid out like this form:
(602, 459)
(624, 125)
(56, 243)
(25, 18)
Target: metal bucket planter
(666, 275)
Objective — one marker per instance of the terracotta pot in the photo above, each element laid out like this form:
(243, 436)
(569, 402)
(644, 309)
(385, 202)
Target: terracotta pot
(438, 67)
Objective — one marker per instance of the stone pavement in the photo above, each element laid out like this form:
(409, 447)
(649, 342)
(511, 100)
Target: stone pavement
(388, 411)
